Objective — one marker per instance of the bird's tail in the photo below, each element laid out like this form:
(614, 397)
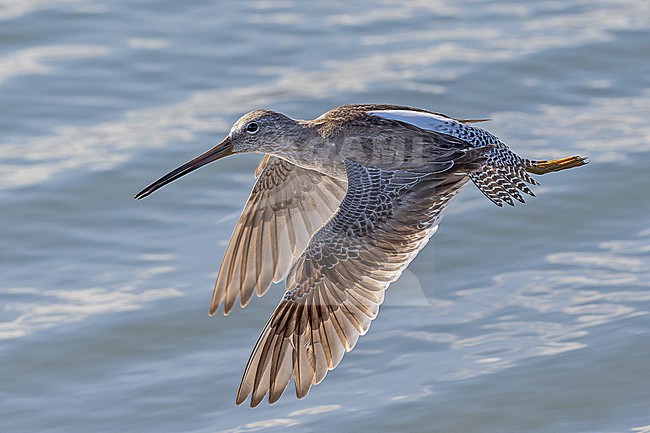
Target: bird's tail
(506, 175)
(543, 166)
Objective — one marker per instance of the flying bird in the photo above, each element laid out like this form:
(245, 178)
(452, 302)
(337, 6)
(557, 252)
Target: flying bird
(341, 206)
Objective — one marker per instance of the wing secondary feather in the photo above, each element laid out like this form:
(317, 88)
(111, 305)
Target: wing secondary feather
(287, 205)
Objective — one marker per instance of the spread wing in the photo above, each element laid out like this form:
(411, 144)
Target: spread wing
(337, 284)
(287, 205)
(504, 175)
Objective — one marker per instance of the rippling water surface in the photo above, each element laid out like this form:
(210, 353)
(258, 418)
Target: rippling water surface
(532, 319)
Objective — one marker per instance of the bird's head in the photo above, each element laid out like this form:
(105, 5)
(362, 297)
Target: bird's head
(260, 131)
(263, 131)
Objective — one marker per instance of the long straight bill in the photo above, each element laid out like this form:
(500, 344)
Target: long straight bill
(217, 152)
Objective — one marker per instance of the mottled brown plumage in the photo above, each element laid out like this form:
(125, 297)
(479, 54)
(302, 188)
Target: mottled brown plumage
(341, 205)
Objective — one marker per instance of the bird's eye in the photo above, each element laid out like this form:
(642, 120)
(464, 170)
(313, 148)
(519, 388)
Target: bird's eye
(252, 128)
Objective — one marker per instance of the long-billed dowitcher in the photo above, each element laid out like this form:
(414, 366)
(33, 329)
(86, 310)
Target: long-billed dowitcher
(341, 205)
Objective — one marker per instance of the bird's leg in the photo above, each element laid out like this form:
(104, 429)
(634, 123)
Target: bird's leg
(544, 166)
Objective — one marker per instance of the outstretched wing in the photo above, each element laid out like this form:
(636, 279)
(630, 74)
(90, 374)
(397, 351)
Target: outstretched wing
(287, 205)
(504, 175)
(337, 284)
